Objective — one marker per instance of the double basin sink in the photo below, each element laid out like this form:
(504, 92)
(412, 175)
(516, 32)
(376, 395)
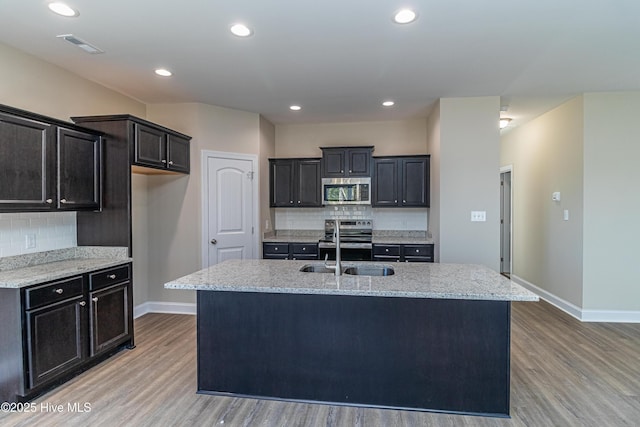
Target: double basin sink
(355, 270)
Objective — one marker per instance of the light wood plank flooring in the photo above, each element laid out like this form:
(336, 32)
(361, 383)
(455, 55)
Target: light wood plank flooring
(563, 373)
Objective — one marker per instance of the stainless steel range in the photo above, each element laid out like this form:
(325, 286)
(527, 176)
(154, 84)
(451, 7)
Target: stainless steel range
(355, 240)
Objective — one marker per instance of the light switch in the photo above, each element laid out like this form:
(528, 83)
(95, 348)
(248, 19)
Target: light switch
(29, 241)
(478, 216)
(565, 215)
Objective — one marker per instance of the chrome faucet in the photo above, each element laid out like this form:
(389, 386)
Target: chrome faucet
(336, 239)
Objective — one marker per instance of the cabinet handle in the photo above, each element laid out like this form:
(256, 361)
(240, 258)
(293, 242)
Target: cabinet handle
(171, 162)
(82, 303)
(94, 299)
(63, 201)
(164, 161)
(58, 291)
(111, 276)
(49, 201)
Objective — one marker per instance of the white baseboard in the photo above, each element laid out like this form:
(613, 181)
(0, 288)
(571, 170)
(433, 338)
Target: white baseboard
(603, 316)
(164, 307)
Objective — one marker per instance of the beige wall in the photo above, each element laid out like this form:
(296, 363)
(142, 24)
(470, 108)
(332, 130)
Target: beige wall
(389, 137)
(434, 141)
(34, 85)
(469, 180)
(547, 156)
(140, 230)
(174, 210)
(611, 201)
(267, 151)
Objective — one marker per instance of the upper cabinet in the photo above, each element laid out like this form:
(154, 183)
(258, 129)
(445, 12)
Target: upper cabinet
(401, 181)
(294, 183)
(153, 148)
(47, 165)
(343, 162)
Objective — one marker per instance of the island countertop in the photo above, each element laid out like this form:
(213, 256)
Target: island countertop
(411, 280)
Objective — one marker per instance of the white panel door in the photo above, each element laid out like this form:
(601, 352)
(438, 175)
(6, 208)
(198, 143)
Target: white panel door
(230, 209)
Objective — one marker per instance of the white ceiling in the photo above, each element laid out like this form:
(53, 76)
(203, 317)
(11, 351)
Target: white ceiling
(340, 58)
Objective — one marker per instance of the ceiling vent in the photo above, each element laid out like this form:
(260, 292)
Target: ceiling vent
(87, 47)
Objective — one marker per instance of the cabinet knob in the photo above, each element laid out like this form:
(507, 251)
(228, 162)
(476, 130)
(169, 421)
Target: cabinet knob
(291, 201)
(342, 171)
(304, 249)
(214, 241)
(404, 201)
(387, 250)
(298, 201)
(395, 201)
(58, 291)
(164, 161)
(82, 303)
(350, 171)
(417, 250)
(171, 162)
(63, 201)
(49, 201)
(275, 249)
(111, 276)
(94, 299)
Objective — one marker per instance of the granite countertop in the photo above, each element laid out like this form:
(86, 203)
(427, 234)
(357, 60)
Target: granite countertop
(411, 280)
(31, 269)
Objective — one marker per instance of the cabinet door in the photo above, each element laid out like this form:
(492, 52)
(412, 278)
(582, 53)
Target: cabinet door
(27, 164)
(109, 319)
(358, 162)
(55, 339)
(333, 163)
(307, 189)
(149, 146)
(177, 153)
(385, 182)
(415, 182)
(281, 183)
(79, 170)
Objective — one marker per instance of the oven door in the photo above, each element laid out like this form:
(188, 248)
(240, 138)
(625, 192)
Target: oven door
(347, 254)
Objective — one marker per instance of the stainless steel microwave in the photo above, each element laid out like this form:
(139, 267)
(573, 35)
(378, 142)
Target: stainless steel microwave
(346, 191)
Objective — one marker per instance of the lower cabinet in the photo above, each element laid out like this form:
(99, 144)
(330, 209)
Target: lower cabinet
(403, 253)
(295, 251)
(61, 328)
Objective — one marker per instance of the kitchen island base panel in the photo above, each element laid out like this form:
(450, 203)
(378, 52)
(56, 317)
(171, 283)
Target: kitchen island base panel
(404, 353)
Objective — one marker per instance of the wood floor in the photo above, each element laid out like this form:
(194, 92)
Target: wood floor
(563, 373)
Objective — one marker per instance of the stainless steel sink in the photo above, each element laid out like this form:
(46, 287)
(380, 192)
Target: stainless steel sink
(369, 270)
(315, 268)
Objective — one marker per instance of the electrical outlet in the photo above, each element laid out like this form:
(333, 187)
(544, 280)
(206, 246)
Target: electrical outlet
(478, 216)
(29, 241)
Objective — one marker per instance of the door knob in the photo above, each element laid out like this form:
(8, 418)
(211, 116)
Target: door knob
(214, 241)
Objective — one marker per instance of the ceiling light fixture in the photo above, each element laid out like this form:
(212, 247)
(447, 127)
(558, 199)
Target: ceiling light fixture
(63, 10)
(295, 107)
(404, 16)
(86, 46)
(388, 103)
(241, 30)
(504, 122)
(164, 72)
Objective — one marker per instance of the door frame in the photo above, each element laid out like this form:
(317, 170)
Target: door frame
(204, 196)
(503, 169)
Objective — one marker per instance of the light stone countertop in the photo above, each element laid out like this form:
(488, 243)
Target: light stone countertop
(31, 269)
(411, 280)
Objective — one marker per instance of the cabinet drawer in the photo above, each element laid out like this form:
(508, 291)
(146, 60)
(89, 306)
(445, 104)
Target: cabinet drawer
(53, 292)
(103, 278)
(386, 258)
(386, 250)
(276, 248)
(418, 250)
(418, 259)
(304, 249)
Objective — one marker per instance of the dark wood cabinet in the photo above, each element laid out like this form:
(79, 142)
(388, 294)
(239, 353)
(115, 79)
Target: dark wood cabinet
(295, 183)
(295, 251)
(401, 181)
(47, 165)
(156, 147)
(402, 252)
(341, 162)
(55, 330)
(130, 145)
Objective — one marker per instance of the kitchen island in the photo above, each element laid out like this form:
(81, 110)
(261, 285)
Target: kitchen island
(430, 337)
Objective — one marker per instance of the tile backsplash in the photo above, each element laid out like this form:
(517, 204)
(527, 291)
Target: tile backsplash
(383, 218)
(45, 231)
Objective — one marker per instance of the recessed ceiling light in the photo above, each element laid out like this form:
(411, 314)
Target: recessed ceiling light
(404, 16)
(164, 72)
(63, 9)
(388, 103)
(241, 30)
(295, 107)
